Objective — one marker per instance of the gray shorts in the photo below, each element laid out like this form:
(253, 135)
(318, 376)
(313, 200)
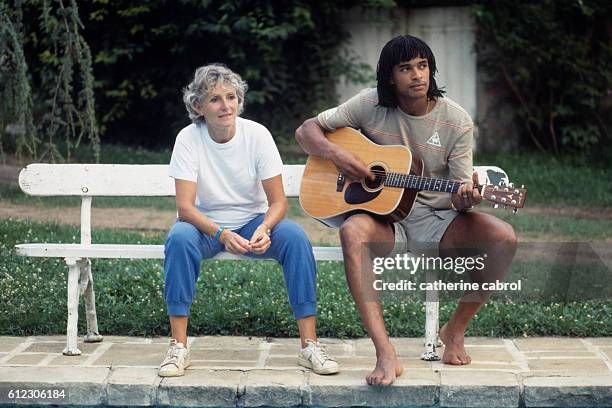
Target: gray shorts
(422, 230)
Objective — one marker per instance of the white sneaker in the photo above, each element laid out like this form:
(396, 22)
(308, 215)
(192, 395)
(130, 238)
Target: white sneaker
(177, 359)
(316, 357)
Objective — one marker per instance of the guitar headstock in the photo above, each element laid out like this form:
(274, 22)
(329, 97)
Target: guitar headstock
(506, 195)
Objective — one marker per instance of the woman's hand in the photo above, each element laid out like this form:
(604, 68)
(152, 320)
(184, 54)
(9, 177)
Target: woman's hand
(234, 243)
(260, 241)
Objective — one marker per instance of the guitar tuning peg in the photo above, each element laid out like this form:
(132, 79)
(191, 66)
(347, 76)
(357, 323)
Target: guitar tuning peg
(510, 185)
(515, 210)
(522, 186)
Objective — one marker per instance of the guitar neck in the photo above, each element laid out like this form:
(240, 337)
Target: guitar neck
(415, 182)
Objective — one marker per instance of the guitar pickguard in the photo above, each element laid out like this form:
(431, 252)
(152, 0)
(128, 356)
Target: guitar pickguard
(355, 194)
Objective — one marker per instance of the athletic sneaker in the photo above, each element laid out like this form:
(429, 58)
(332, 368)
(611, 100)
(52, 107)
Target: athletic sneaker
(316, 357)
(177, 359)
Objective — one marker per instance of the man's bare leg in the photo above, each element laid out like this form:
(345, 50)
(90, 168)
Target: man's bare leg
(497, 238)
(356, 231)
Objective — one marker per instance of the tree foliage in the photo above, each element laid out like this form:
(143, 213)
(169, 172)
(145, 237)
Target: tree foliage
(555, 57)
(147, 51)
(49, 103)
(143, 53)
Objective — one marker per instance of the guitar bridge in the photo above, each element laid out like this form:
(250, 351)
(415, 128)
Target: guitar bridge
(340, 183)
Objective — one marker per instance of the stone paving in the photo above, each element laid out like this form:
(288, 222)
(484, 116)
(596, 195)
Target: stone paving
(250, 371)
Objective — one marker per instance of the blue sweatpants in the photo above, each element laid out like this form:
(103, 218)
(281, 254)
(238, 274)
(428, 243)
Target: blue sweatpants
(186, 246)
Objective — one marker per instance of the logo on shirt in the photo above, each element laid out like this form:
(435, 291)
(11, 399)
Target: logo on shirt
(434, 140)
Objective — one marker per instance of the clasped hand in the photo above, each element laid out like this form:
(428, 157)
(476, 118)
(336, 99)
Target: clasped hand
(236, 244)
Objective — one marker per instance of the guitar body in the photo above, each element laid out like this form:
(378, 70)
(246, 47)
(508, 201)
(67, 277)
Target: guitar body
(328, 196)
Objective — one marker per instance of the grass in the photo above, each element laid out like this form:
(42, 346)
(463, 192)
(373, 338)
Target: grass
(571, 180)
(252, 297)
(249, 298)
(556, 227)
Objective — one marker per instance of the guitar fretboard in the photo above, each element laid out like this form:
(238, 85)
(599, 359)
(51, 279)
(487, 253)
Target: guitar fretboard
(420, 183)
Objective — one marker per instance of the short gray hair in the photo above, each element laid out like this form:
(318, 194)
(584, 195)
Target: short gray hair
(207, 78)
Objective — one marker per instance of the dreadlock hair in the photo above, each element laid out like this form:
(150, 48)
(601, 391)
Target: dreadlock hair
(403, 48)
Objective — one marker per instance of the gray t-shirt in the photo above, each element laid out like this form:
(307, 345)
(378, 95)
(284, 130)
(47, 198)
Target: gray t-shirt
(443, 138)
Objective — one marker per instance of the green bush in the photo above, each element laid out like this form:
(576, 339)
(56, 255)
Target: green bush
(555, 59)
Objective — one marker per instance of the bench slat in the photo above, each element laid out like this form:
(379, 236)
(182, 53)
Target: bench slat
(117, 180)
(137, 252)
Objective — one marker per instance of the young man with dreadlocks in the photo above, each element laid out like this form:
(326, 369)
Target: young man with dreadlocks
(408, 108)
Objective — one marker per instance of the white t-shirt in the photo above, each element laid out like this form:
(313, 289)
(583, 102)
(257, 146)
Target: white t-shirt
(228, 175)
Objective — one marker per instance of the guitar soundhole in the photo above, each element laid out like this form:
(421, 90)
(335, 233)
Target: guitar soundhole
(380, 174)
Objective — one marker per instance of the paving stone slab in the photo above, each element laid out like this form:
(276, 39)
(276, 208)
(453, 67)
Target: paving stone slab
(592, 365)
(225, 354)
(607, 351)
(480, 367)
(587, 391)
(27, 359)
(226, 342)
(57, 347)
(132, 386)
(200, 388)
(9, 343)
(549, 343)
(559, 354)
(406, 342)
(223, 365)
(484, 341)
(131, 355)
(272, 388)
(480, 354)
(281, 362)
(479, 389)
(124, 339)
(62, 360)
(58, 338)
(335, 350)
(349, 388)
(600, 341)
(83, 386)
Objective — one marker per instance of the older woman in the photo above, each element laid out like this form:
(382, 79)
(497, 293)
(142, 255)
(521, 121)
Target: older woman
(230, 197)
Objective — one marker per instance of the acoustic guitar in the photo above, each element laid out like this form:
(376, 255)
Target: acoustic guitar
(329, 196)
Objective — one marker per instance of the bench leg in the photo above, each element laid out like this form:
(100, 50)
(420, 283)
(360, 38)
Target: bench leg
(73, 308)
(92, 335)
(432, 321)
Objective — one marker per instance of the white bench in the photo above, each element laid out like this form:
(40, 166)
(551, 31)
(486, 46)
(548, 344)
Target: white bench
(90, 180)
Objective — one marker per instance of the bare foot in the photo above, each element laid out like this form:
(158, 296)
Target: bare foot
(388, 368)
(454, 350)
